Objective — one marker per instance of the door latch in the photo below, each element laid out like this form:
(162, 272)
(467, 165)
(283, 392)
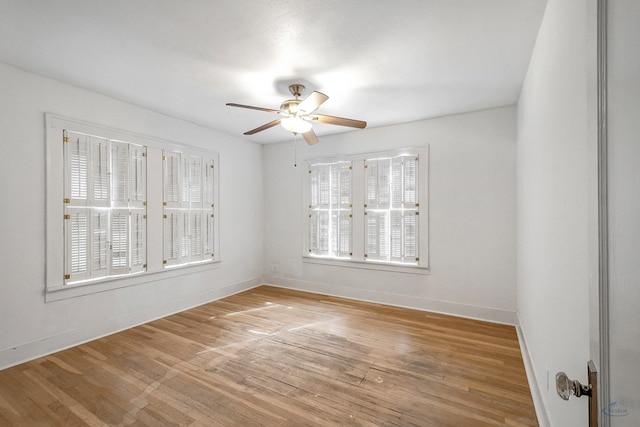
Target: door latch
(567, 387)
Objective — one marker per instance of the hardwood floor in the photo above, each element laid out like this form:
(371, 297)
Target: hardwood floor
(277, 357)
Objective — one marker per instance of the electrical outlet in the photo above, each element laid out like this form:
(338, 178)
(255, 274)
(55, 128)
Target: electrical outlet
(274, 268)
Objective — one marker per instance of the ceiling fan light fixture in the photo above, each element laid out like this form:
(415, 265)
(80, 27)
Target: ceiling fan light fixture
(295, 125)
(298, 114)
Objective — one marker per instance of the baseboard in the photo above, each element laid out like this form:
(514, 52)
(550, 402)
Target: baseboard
(445, 307)
(24, 352)
(536, 395)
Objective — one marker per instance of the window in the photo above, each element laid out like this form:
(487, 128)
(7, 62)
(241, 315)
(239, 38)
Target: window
(188, 208)
(122, 208)
(369, 208)
(105, 207)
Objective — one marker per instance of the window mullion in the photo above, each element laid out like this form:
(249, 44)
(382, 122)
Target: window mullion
(358, 200)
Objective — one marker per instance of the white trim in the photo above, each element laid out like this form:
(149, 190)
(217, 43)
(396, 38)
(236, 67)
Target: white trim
(73, 291)
(488, 314)
(367, 265)
(24, 352)
(536, 395)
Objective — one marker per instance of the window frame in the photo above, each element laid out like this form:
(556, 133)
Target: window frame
(358, 224)
(55, 287)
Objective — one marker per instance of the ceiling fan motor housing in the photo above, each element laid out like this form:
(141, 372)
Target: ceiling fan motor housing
(290, 106)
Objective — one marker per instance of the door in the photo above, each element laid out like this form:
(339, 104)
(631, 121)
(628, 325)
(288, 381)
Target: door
(620, 385)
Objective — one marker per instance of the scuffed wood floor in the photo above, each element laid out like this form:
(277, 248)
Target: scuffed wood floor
(277, 357)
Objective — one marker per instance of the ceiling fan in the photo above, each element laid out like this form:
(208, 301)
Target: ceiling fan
(298, 115)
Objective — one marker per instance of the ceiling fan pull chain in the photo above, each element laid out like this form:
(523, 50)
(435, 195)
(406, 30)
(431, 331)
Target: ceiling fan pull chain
(295, 150)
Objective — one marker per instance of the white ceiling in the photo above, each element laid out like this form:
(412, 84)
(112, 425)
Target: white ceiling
(382, 61)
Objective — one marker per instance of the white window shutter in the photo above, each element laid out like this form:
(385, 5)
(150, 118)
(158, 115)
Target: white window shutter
(323, 233)
(344, 176)
(171, 184)
(334, 182)
(383, 233)
(384, 182)
(395, 236)
(184, 181)
(396, 184)
(137, 175)
(334, 232)
(344, 234)
(324, 185)
(100, 183)
(378, 180)
(208, 234)
(119, 241)
(314, 222)
(195, 181)
(183, 219)
(410, 180)
(138, 240)
(99, 243)
(76, 150)
(195, 235)
(208, 183)
(171, 237)
(371, 182)
(314, 186)
(373, 236)
(410, 235)
(119, 174)
(377, 244)
(76, 228)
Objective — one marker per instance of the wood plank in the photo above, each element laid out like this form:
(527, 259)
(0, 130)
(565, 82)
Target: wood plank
(273, 356)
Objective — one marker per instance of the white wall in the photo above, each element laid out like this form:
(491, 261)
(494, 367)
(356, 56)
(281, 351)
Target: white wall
(556, 164)
(29, 326)
(472, 246)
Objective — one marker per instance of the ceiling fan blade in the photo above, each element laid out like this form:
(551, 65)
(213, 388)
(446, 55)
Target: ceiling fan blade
(263, 127)
(311, 137)
(332, 120)
(312, 102)
(268, 110)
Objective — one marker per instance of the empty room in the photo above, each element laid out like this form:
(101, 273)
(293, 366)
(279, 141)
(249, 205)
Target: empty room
(389, 213)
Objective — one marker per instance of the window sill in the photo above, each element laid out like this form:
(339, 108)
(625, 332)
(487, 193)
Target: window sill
(72, 291)
(368, 265)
